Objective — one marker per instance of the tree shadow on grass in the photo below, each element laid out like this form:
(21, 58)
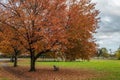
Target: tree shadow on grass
(46, 73)
(19, 73)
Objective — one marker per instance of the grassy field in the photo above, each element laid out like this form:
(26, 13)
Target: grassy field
(107, 69)
(111, 68)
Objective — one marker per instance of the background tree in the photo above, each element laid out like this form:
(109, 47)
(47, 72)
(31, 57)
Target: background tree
(98, 54)
(104, 53)
(9, 44)
(117, 54)
(82, 23)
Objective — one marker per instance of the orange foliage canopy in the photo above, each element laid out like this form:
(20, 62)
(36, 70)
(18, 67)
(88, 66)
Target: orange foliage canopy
(49, 25)
(82, 23)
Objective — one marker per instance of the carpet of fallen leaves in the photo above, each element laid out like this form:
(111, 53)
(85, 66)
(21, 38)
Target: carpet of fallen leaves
(46, 73)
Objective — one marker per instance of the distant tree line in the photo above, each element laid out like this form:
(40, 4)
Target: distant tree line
(104, 53)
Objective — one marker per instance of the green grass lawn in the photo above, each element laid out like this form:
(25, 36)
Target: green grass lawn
(109, 67)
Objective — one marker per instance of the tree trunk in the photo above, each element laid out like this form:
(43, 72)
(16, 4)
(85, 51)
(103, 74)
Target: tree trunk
(32, 64)
(34, 58)
(15, 60)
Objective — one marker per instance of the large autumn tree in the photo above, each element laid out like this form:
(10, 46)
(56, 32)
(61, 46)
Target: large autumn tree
(39, 23)
(50, 25)
(82, 22)
(9, 43)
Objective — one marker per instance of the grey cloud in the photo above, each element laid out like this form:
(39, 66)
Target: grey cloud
(109, 32)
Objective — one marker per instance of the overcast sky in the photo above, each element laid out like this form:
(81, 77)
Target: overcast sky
(109, 32)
